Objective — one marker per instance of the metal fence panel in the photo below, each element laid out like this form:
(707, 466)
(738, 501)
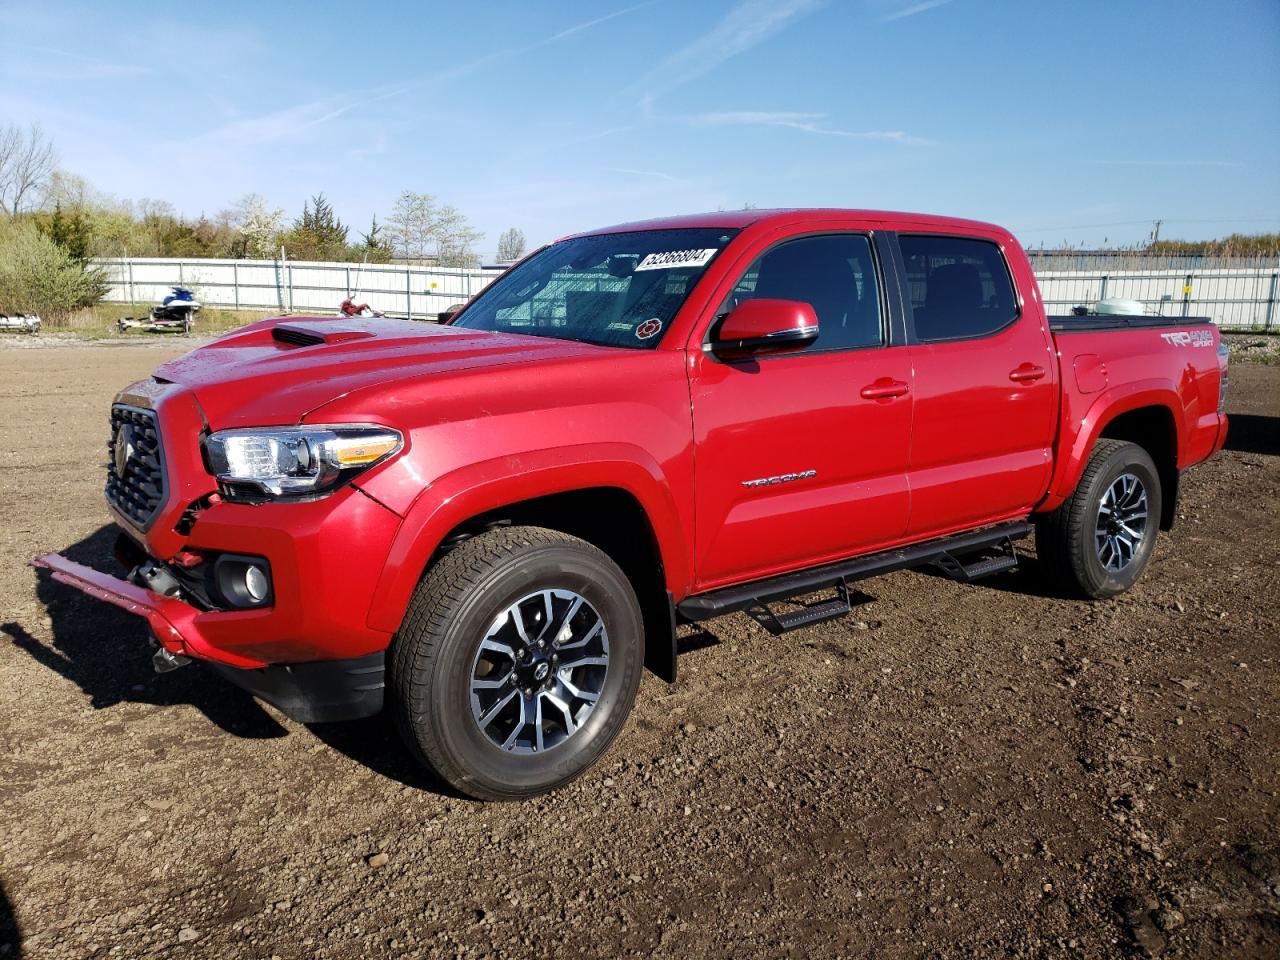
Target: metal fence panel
(1237, 299)
(295, 285)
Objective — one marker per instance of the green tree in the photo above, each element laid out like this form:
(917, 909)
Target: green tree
(70, 230)
(39, 276)
(318, 234)
(373, 245)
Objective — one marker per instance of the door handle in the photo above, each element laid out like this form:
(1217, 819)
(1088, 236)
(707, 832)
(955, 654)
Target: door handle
(1026, 373)
(885, 389)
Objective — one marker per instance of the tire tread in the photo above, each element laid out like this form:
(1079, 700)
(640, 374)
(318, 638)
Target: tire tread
(1059, 533)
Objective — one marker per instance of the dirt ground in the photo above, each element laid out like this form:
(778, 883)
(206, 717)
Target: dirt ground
(955, 770)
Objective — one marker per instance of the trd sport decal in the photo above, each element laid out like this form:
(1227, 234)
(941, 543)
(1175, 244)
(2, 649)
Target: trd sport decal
(1189, 338)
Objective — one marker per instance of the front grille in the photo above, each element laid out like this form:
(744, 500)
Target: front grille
(135, 466)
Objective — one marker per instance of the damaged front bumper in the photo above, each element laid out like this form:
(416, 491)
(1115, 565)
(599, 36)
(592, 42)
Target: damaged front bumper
(313, 692)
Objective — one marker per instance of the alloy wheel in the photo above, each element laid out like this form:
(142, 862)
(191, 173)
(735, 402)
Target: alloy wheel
(539, 671)
(1122, 522)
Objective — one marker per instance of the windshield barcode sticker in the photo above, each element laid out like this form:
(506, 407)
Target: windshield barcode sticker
(670, 259)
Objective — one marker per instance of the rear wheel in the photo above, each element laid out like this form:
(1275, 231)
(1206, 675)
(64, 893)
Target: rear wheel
(1100, 540)
(518, 662)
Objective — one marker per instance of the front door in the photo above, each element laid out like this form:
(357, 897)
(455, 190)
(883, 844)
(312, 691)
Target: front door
(801, 457)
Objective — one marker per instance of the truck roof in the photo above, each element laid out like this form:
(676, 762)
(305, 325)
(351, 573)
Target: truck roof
(738, 219)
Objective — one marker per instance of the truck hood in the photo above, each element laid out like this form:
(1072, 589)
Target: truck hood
(278, 371)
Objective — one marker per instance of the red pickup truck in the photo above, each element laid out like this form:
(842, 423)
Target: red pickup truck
(499, 520)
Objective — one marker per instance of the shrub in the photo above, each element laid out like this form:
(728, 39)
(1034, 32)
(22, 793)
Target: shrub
(38, 276)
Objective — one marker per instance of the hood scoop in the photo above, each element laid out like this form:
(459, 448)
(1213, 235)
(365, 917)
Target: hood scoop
(297, 335)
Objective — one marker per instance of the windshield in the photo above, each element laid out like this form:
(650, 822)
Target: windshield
(616, 290)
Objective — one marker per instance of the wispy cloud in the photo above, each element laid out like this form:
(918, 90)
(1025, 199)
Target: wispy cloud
(1170, 162)
(374, 147)
(657, 174)
(805, 122)
(747, 25)
(77, 66)
(471, 66)
(587, 25)
(292, 121)
(286, 124)
(915, 8)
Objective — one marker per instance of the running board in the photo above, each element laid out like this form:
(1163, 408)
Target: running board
(968, 569)
(779, 623)
(704, 606)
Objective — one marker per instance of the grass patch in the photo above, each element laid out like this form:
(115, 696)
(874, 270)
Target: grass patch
(100, 321)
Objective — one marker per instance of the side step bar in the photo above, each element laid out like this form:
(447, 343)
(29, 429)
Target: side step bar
(940, 552)
(779, 623)
(966, 569)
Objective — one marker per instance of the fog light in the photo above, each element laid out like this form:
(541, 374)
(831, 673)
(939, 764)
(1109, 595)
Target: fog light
(243, 581)
(256, 584)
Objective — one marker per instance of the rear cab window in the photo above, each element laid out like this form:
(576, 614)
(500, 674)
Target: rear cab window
(959, 287)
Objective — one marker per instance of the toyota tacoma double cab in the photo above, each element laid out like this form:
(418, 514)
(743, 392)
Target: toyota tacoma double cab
(490, 525)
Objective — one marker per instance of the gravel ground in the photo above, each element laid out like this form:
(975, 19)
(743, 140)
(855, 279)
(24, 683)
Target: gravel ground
(955, 770)
(1253, 347)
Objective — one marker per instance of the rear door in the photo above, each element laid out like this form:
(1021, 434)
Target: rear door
(985, 385)
(802, 457)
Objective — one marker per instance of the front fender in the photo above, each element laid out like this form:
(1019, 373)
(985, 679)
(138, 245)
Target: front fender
(1102, 409)
(489, 485)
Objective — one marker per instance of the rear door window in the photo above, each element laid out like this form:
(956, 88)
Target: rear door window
(959, 287)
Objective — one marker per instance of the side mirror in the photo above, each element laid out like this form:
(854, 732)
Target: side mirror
(765, 326)
(448, 313)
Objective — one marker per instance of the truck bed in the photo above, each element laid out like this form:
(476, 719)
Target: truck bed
(1113, 365)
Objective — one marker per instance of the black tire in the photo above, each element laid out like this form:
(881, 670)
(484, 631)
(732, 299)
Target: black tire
(434, 655)
(1067, 539)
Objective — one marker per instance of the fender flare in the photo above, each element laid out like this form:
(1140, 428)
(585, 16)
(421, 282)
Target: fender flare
(492, 484)
(1105, 408)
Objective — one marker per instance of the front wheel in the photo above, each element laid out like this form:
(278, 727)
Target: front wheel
(1099, 541)
(517, 662)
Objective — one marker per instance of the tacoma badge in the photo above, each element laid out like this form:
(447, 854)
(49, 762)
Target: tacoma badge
(781, 478)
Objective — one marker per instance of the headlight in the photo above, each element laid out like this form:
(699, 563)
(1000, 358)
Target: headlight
(294, 462)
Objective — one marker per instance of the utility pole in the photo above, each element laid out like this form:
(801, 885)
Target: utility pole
(1155, 234)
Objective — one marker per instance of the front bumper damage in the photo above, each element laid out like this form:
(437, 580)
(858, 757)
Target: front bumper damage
(319, 691)
(307, 646)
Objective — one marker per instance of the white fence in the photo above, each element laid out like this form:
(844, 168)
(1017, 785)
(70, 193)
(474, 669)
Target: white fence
(1234, 298)
(294, 286)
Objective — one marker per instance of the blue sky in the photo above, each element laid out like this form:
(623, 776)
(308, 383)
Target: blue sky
(1064, 121)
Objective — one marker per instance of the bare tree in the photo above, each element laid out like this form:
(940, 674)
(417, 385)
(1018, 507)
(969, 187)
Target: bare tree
(420, 228)
(26, 164)
(71, 192)
(411, 226)
(511, 245)
(454, 237)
